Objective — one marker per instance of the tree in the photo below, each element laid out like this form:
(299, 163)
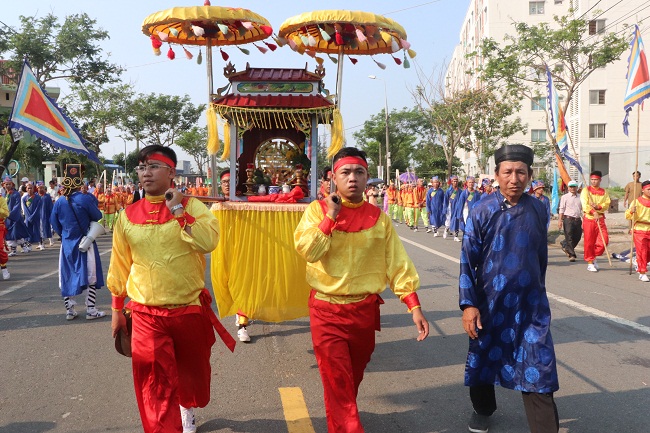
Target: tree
(571, 53)
(194, 142)
(69, 50)
(159, 119)
(493, 122)
(401, 137)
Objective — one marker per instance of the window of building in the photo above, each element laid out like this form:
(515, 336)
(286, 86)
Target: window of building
(596, 130)
(537, 135)
(596, 27)
(536, 8)
(538, 104)
(597, 97)
(6, 96)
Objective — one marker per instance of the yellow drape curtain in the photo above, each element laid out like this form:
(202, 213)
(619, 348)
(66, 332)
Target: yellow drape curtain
(255, 267)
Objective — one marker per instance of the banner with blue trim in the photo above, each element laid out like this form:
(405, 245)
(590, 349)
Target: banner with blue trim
(35, 112)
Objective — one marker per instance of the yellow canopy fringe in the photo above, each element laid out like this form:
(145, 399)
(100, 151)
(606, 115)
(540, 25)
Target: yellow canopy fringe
(213, 134)
(226, 141)
(337, 134)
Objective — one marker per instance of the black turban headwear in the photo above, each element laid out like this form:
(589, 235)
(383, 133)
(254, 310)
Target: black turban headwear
(514, 152)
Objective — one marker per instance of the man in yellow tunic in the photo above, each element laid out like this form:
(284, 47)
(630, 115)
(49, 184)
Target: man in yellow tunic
(595, 202)
(158, 261)
(639, 214)
(336, 236)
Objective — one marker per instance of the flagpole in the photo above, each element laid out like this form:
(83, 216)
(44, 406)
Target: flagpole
(636, 168)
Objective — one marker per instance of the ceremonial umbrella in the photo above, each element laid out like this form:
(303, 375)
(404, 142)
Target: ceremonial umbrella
(208, 26)
(375, 181)
(408, 177)
(344, 32)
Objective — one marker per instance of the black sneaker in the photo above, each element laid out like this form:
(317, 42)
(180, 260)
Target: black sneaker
(478, 423)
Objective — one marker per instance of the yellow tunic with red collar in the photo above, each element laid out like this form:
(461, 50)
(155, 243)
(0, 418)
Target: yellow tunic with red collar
(356, 256)
(4, 210)
(599, 197)
(420, 196)
(641, 214)
(154, 261)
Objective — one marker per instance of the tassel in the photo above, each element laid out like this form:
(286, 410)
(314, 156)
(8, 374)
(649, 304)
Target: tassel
(173, 32)
(243, 50)
(381, 65)
(155, 43)
(312, 41)
(407, 64)
(310, 53)
(189, 55)
(224, 55)
(226, 141)
(262, 49)
(394, 46)
(156, 51)
(304, 39)
(353, 60)
(319, 60)
(405, 44)
(398, 61)
(360, 35)
(412, 53)
(386, 37)
(213, 134)
(324, 34)
(338, 38)
(206, 3)
(272, 47)
(199, 59)
(268, 30)
(198, 31)
(280, 40)
(333, 59)
(242, 31)
(247, 25)
(223, 28)
(171, 54)
(292, 44)
(162, 36)
(337, 134)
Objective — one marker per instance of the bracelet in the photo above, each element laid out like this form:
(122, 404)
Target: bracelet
(176, 207)
(116, 309)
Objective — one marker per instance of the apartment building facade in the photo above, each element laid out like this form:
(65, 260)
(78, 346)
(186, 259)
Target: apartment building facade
(595, 115)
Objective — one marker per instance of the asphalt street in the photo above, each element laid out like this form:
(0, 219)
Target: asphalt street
(65, 377)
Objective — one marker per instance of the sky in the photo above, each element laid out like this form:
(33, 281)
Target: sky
(432, 27)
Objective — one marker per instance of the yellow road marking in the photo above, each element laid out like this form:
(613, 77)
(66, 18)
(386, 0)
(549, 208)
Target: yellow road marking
(295, 411)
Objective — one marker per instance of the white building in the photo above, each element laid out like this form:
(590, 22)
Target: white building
(596, 112)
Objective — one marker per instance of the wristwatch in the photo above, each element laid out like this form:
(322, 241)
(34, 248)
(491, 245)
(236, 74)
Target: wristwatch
(176, 207)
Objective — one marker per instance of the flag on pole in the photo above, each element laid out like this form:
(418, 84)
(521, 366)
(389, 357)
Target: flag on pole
(555, 194)
(35, 112)
(559, 128)
(638, 77)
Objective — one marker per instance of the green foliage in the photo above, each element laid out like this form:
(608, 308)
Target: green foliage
(69, 50)
(131, 163)
(194, 142)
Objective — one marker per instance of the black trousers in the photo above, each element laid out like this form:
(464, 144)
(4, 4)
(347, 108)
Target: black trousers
(572, 234)
(541, 410)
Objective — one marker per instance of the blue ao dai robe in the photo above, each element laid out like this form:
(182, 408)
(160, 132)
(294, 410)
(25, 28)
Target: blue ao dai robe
(452, 212)
(16, 229)
(32, 212)
(76, 269)
(502, 272)
(436, 206)
(467, 200)
(45, 228)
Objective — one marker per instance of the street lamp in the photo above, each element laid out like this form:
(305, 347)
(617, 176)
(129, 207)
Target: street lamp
(373, 77)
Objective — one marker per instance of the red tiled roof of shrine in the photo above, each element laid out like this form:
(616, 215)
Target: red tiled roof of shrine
(274, 74)
(274, 101)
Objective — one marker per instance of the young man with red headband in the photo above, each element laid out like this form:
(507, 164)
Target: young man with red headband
(158, 261)
(595, 202)
(639, 214)
(336, 236)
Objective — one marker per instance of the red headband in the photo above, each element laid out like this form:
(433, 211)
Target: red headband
(350, 160)
(594, 176)
(162, 158)
(646, 187)
(225, 174)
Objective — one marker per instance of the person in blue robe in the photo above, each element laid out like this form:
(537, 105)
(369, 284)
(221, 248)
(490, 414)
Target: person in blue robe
(31, 203)
(452, 223)
(466, 202)
(538, 192)
(16, 229)
(502, 293)
(436, 205)
(45, 228)
(78, 271)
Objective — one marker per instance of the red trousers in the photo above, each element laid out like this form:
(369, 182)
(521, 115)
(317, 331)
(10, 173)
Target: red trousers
(171, 366)
(343, 336)
(4, 258)
(593, 242)
(642, 245)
